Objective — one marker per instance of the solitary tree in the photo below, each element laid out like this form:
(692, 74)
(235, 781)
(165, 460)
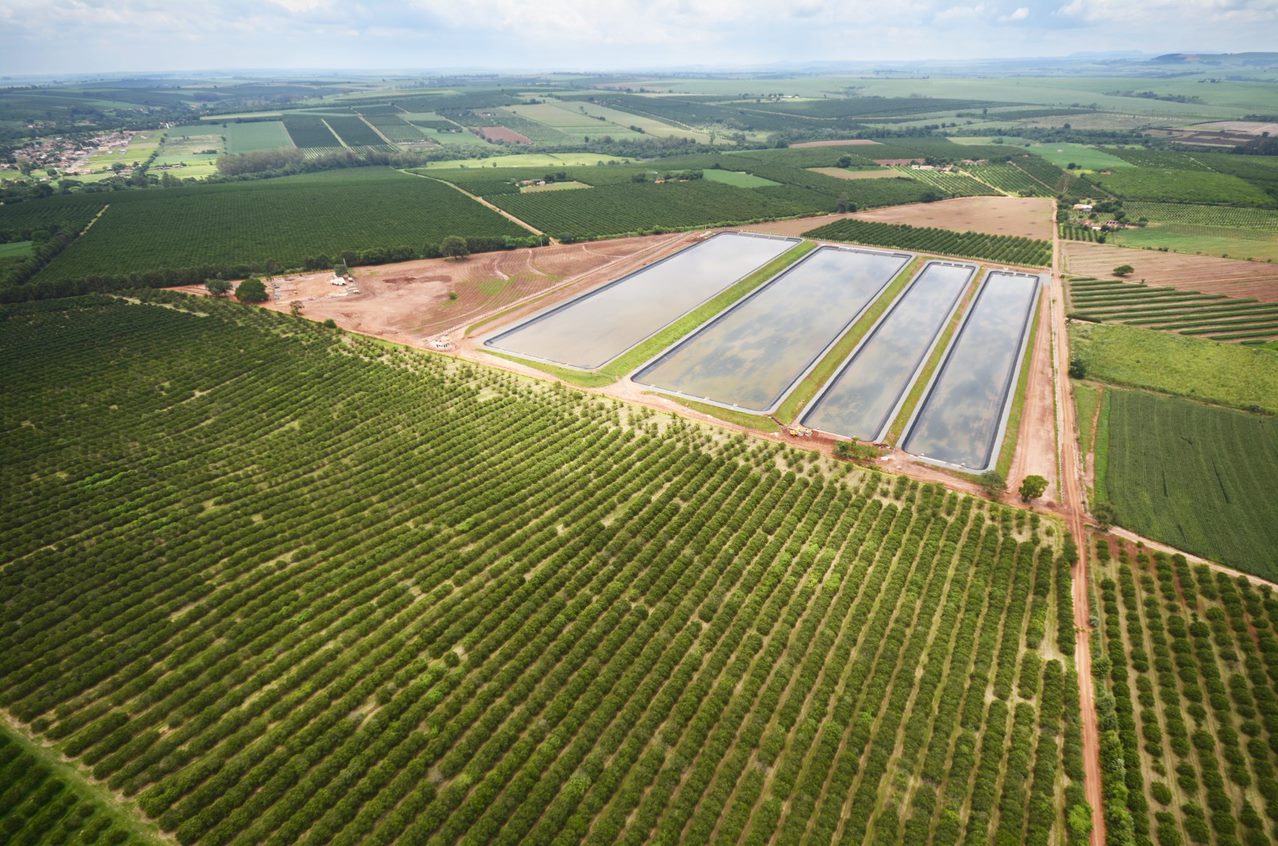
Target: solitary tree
(454, 247)
(217, 287)
(1032, 487)
(1077, 369)
(251, 290)
(1106, 515)
(1124, 270)
(993, 483)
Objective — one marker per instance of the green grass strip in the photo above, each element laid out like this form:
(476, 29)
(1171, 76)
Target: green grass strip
(1100, 493)
(580, 378)
(1010, 435)
(629, 361)
(740, 418)
(934, 360)
(119, 811)
(834, 358)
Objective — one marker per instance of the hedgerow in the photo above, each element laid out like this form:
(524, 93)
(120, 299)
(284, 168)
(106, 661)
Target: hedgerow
(1001, 248)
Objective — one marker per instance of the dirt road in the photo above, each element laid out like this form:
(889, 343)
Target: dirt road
(484, 203)
(1075, 508)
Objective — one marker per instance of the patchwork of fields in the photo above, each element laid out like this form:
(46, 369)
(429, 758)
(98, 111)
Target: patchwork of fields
(283, 220)
(669, 639)
(1214, 316)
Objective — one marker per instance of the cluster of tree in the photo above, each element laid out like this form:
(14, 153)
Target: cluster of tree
(20, 287)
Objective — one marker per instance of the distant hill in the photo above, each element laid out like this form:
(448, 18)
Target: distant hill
(1250, 59)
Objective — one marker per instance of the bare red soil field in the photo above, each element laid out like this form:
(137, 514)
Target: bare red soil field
(502, 134)
(412, 302)
(1027, 217)
(1208, 274)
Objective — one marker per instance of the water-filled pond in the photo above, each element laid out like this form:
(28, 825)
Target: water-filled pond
(591, 330)
(752, 354)
(960, 421)
(863, 397)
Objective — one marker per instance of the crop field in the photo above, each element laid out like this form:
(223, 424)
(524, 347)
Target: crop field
(1228, 374)
(671, 638)
(621, 209)
(1182, 186)
(951, 184)
(41, 804)
(1000, 248)
(395, 128)
(1192, 673)
(1011, 179)
(1214, 316)
(19, 220)
(250, 136)
(1083, 156)
(738, 178)
(309, 131)
(354, 132)
(1195, 476)
(284, 220)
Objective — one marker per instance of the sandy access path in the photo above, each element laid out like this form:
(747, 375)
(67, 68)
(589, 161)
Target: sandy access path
(1074, 502)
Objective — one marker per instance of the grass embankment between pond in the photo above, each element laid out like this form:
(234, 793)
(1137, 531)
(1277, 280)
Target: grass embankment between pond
(830, 363)
(1012, 433)
(934, 360)
(632, 359)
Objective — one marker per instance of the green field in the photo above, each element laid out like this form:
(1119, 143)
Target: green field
(1228, 374)
(1189, 657)
(309, 131)
(619, 209)
(1214, 316)
(1195, 476)
(255, 136)
(1182, 186)
(1000, 248)
(1249, 244)
(44, 801)
(738, 178)
(286, 220)
(1084, 156)
(295, 621)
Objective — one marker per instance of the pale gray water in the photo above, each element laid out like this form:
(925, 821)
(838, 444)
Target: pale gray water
(960, 418)
(595, 328)
(750, 355)
(863, 396)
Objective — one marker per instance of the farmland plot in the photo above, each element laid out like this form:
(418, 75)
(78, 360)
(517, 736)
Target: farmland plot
(286, 220)
(1194, 476)
(753, 354)
(865, 395)
(1191, 672)
(961, 418)
(595, 328)
(668, 639)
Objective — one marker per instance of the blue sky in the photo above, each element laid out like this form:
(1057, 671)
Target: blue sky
(68, 36)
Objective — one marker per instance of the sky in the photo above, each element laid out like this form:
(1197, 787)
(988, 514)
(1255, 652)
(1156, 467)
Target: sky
(100, 36)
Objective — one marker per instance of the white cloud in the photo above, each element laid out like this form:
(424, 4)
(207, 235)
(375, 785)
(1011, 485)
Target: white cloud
(1185, 11)
(1018, 15)
(960, 12)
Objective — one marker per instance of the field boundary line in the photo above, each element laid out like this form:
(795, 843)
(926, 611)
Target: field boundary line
(339, 138)
(112, 802)
(484, 203)
(377, 131)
